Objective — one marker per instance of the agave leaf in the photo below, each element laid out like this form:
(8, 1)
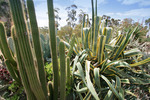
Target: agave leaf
(88, 96)
(89, 83)
(108, 34)
(81, 72)
(124, 44)
(101, 48)
(132, 52)
(126, 81)
(97, 78)
(112, 88)
(121, 93)
(111, 63)
(118, 83)
(74, 64)
(109, 95)
(82, 90)
(83, 24)
(86, 32)
(71, 46)
(97, 20)
(129, 92)
(118, 87)
(141, 62)
(83, 57)
(67, 44)
(108, 47)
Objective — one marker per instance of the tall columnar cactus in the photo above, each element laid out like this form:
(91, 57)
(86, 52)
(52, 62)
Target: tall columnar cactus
(53, 47)
(10, 62)
(36, 43)
(62, 71)
(24, 48)
(27, 66)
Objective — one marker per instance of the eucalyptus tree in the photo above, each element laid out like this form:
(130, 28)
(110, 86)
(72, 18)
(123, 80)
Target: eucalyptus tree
(72, 13)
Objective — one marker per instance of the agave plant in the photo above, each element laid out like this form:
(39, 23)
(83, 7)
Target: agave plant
(102, 64)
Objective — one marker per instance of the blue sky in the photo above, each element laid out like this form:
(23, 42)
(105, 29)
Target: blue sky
(138, 10)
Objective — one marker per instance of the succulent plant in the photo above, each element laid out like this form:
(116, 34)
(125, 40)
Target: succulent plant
(27, 66)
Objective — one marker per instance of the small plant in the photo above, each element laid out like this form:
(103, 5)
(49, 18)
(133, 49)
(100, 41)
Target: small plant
(5, 76)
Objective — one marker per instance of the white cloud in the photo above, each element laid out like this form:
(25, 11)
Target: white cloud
(140, 2)
(143, 12)
(135, 14)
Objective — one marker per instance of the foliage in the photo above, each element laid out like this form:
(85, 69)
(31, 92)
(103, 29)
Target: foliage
(81, 15)
(77, 30)
(65, 31)
(43, 30)
(44, 39)
(71, 10)
(147, 22)
(57, 17)
(49, 72)
(5, 15)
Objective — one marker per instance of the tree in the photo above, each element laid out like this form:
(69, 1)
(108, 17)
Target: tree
(127, 22)
(147, 22)
(81, 15)
(71, 10)
(65, 31)
(43, 30)
(5, 15)
(77, 30)
(57, 17)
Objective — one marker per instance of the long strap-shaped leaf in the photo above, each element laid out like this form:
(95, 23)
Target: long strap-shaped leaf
(112, 88)
(141, 62)
(53, 47)
(72, 42)
(96, 31)
(101, 43)
(97, 78)
(89, 83)
(24, 48)
(132, 52)
(124, 44)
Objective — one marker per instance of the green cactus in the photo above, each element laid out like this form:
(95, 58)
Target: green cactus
(27, 66)
(12, 65)
(62, 71)
(53, 47)
(11, 44)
